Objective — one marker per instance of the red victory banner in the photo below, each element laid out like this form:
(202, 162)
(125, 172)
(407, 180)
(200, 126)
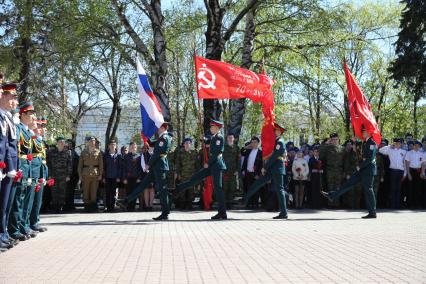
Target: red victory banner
(360, 109)
(220, 80)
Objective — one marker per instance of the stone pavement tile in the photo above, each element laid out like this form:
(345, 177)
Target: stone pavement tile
(320, 247)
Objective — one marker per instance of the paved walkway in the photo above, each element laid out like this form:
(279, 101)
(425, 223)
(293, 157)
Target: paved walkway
(312, 247)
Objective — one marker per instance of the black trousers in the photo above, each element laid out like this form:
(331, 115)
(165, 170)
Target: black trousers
(395, 188)
(110, 191)
(249, 179)
(131, 184)
(414, 194)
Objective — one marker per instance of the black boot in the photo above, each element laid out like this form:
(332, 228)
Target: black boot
(370, 216)
(162, 217)
(281, 216)
(220, 216)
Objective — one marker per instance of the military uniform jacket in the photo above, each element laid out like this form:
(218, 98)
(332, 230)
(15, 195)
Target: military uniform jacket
(3, 137)
(332, 156)
(215, 155)
(90, 163)
(59, 163)
(350, 162)
(369, 149)
(8, 142)
(39, 155)
(275, 163)
(231, 158)
(159, 160)
(24, 149)
(187, 164)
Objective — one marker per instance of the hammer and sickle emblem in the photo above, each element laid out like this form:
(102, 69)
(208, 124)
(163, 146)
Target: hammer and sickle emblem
(206, 82)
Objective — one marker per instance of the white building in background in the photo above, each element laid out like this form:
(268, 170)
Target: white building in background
(94, 123)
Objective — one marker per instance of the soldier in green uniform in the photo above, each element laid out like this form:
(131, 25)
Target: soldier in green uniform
(351, 199)
(365, 175)
(273, 170)
(60, 164)
(186, 166)
(158, 167)
(39, 149)
(231, 156)
(22, 187)
(214, 167)
(331, 153)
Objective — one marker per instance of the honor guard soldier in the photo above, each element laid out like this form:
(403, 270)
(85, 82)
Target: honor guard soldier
(8, 160)
(214, 167)
(59, 162)
(90, 169)
(8, 104)
(36, 162)
(157, 168)
(23, 186)
(364, 174)
(273, 170)
(39, 148)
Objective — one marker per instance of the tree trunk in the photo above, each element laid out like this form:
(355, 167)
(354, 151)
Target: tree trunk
(117, 121)
(416, 129)
(160, 70)
(238, 106)
(110, 124)
(216, 39)
(158, 64)
(23, 51)
(347, 116)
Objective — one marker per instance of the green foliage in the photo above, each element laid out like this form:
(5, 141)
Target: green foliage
(301, 44)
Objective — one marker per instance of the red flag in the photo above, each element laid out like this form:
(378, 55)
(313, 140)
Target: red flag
(360, 109)
(268, 131)
(220, 80)
(208, 185)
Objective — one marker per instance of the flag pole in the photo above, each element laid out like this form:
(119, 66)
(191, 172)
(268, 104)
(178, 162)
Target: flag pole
(200, 122)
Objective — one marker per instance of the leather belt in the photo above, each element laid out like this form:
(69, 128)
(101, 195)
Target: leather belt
(163, 155)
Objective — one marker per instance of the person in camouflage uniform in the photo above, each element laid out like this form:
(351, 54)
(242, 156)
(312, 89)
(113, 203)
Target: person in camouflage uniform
(186, 166)
(331, 153)
(230, 175)
(351, 199)
(59, 162)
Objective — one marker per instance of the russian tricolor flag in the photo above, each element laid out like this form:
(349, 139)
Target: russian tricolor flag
(152, 118)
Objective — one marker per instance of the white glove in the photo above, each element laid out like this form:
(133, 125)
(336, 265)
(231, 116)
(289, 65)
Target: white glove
(1, 175)
(29, 181)
(12, 174)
